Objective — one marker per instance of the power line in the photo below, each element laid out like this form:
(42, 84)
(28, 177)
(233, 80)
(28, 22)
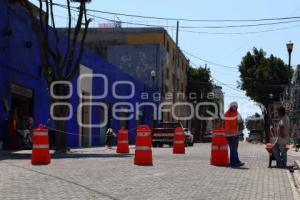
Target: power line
(196, 27)
(239, 26)
(235, 89)
(241, 33)
(226, 85)
(210, 62)
(204, 60)
(186, 19)
(196, 32)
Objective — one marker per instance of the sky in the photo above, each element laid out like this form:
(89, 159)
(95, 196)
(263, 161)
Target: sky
(223, 49)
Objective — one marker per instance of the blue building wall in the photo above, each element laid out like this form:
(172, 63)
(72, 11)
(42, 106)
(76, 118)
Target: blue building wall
(21, 65)
(140, 60)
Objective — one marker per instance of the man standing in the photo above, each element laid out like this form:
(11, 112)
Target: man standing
(232, 124)
(283, 138)
(110, 135)
(52, 132)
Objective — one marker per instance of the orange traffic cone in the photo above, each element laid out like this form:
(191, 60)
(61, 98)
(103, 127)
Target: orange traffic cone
(40, 146)
(122, 146)
(178, 141)
(143, 151)
(219, 149)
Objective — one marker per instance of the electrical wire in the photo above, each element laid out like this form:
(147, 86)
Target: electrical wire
(241, 33)
(194, 27)
(210, 62)
(186, 19)
(199, 32)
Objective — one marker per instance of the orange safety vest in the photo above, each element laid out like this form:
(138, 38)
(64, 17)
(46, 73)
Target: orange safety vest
(231, 124)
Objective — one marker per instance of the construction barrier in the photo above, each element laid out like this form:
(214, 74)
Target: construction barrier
(122, 145)
(143, 143)
(40, 146)
(219, 148)
(179, 141)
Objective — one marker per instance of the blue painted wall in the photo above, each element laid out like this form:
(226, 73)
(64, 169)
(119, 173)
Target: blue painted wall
(140, 60)
(21, 65)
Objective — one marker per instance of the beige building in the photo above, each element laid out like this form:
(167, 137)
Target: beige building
(101, 40)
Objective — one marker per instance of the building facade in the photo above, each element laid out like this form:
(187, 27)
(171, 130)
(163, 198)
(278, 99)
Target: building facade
(295, 102)
(142, 43)
(24, 92)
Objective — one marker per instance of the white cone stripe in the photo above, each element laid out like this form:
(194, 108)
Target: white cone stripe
(40, 146)
(40, 133)
(123, 141)
(215, 147)
(142, 148)
(222, 147)
(178, 142)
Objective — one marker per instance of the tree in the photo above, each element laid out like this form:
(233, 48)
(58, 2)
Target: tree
(261, 76)
(58, 64)
(200, 83)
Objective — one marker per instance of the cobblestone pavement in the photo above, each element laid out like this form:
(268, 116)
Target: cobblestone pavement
(99, 173)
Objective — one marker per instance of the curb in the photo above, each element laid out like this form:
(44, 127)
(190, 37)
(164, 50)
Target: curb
(297, 174)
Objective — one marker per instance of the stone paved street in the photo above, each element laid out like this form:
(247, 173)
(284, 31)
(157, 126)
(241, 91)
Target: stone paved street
(99, 173)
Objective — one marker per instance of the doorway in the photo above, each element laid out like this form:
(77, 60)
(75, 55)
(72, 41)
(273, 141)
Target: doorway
(86, 118)
(22, 106)
(21, 109)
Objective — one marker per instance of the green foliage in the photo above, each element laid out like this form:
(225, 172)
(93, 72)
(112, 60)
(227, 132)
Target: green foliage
(199, 81)
(261, 75)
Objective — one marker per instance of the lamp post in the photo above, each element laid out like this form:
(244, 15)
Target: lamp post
(153, 77)
(289, 47)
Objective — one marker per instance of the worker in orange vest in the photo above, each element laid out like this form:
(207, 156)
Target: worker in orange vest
(232, 120)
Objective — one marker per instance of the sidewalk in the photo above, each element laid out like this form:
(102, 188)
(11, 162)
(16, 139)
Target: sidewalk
(296, 175)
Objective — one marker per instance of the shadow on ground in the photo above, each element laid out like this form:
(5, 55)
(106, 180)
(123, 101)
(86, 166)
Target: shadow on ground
(15, 155)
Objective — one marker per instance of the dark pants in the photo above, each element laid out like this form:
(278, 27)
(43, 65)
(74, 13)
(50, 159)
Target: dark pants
(52, 138)
(280, 154)
(109, 140)
(233, 145)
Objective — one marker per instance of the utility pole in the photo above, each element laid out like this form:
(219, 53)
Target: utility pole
(176, 66)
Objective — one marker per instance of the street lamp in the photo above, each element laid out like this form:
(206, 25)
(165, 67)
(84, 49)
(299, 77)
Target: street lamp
(153, 75)
(289, 47)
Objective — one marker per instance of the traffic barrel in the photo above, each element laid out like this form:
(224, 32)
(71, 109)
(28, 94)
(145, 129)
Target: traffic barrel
(179, 141)
(143, 142)
(219, 148)
(40, 146)
(122, 145)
